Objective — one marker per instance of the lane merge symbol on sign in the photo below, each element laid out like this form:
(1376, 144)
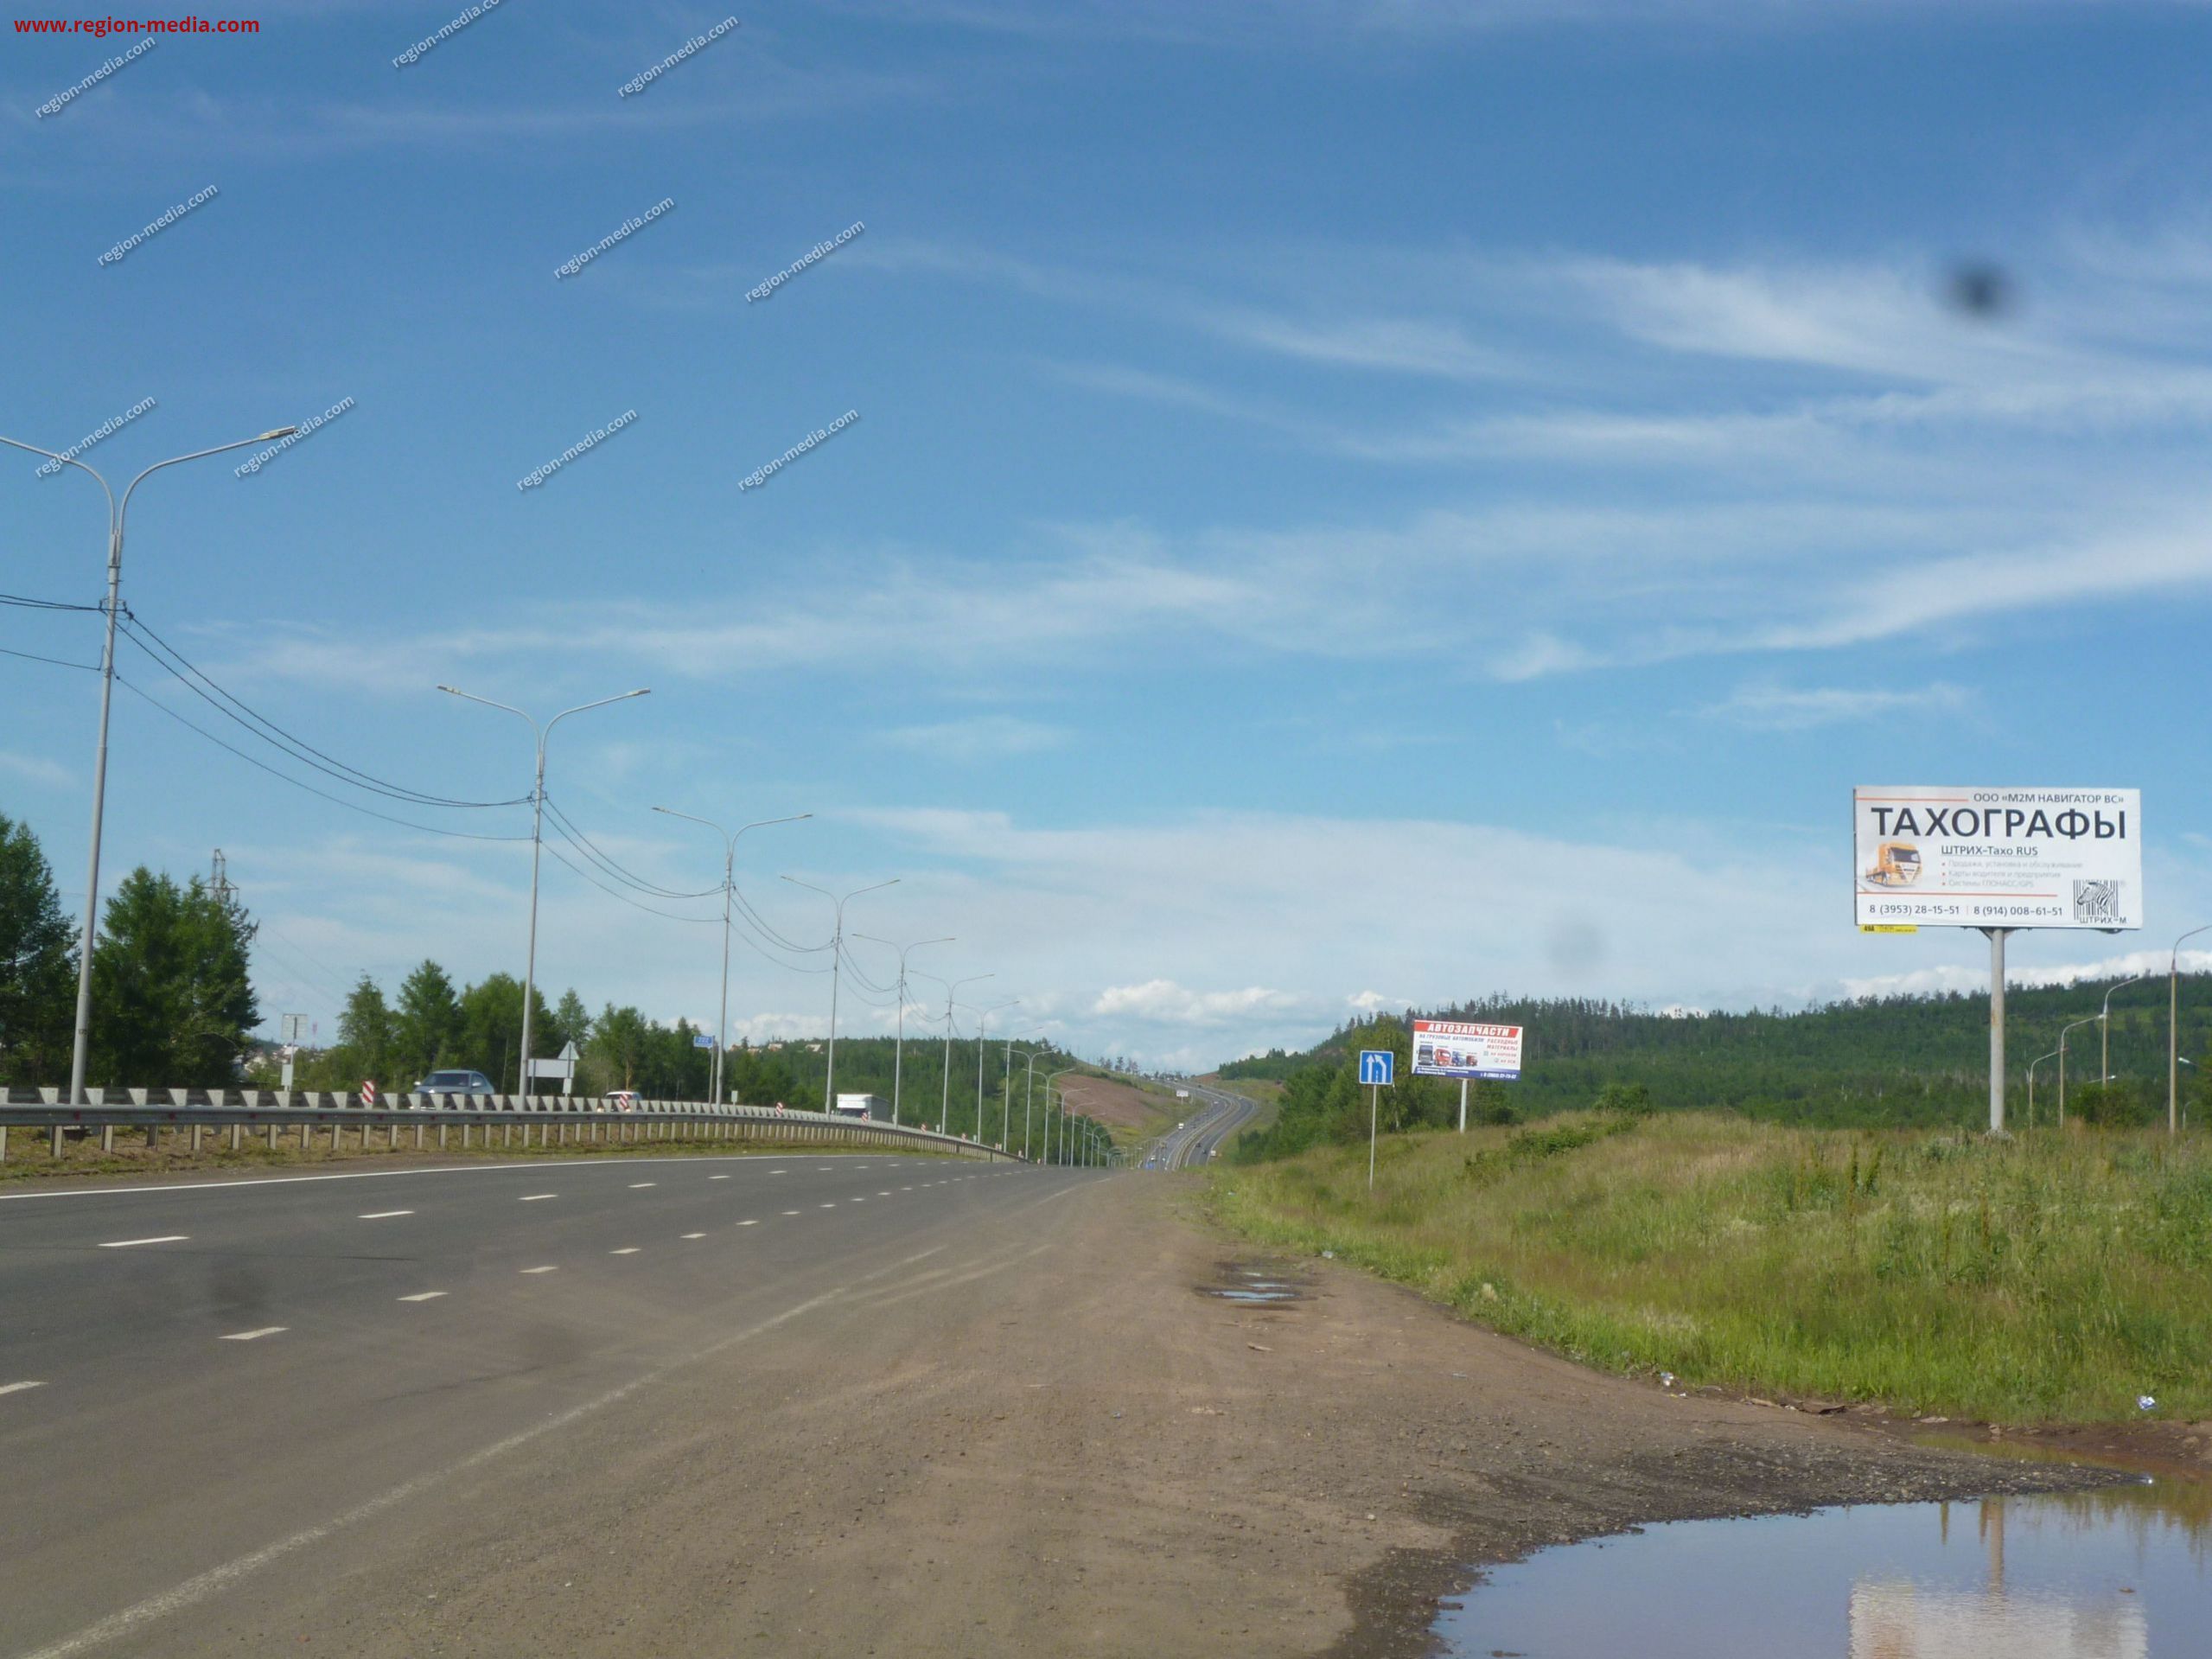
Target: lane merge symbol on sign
(1378, 1066)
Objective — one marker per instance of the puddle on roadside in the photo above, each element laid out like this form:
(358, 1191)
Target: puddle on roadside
(2119, 1572)
(1242, 1282)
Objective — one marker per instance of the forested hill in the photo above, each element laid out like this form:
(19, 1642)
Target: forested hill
(1901, 1060)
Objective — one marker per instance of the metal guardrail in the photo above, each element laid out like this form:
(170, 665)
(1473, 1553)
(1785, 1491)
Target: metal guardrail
(547, 1120)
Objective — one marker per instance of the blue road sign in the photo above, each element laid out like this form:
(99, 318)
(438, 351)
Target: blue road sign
(1377, 1066)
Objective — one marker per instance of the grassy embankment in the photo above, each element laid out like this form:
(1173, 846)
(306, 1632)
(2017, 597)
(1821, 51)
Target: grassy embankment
(2045, 1279)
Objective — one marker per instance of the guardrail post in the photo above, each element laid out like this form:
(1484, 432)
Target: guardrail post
(272, 1137)
(153, 1137)
(238, 1136)
(107, 1137)
(337, 1129)
(55, 1149)
(3, 1142)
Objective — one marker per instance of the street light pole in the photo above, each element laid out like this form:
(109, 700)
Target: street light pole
(2104, 1051)
(983, 1018)
(2032, 1064)
(729, 883)
(1062, 1072)
(81, 1045)
(952, 990)
(837, 963)
(898, 1050)
(2063, 1030)
(1006, 1102)
(537, 824)
(2173, 1030)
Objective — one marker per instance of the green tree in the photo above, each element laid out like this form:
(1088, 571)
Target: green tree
(172, 995)
(38, 964)
(367, 1037)
(427, 1027)
(571, 1023)
(490, 1037)
(621, 1040)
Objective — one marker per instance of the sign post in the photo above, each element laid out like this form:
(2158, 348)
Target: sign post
(1997, 860)
(1466, 1049)
(291, 1031)
(1378, 1070)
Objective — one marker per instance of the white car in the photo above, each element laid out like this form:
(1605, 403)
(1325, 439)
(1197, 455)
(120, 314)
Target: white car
(619, 1099)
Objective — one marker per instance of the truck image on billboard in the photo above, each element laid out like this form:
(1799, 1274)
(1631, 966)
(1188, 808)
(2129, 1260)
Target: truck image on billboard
(1984, 857)
(1452, 1047)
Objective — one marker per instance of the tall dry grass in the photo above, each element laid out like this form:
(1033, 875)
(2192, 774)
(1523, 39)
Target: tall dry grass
(2049, 1278)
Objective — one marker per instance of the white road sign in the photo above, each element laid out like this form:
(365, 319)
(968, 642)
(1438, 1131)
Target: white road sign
(1988, 857)
(1453, 1048)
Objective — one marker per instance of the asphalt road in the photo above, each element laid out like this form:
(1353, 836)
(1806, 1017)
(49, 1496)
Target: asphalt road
(206, 1386)
(1215, 1115)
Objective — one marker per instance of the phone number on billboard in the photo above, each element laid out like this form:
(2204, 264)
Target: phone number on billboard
(1975, 912)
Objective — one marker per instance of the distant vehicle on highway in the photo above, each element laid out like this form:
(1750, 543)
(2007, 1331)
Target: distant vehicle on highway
(456, 1082)
(620, 1100)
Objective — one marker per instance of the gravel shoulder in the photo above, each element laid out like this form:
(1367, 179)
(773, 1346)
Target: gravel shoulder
(1045, 1435)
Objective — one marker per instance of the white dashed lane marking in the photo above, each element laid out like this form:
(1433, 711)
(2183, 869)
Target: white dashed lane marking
(422, 1296)
(635, 1185)
(627, 1250)
(748, 1224)
(541, 1270)
(828, 1206)
(533, 1198)
(255, 1336)
(384, 1215)
(17, 1387)
(717, 1177)
(694, 1235)
(791, 1212)
(166, 1238)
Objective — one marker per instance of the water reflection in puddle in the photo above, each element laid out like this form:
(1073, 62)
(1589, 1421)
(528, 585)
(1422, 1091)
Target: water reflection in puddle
(2118, 1574)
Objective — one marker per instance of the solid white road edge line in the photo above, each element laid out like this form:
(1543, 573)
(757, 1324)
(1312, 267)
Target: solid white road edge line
(196, 1590)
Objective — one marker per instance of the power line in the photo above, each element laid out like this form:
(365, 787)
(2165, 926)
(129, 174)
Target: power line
(33, 656)
(216, 697)
(350, 806)
(607, 861)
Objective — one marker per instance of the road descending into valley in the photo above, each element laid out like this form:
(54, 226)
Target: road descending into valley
(682, 1406)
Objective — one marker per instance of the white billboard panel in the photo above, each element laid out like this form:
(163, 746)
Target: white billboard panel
(1985, 858)
(1452, 1047)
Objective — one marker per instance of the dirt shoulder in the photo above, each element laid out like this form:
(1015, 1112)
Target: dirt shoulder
(1046, 1434)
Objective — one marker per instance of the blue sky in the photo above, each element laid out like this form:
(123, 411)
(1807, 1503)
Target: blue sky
(1351, 504)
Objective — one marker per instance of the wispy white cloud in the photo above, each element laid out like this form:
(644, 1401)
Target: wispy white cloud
(1770, 707)
(1166, 1001)
(983, 737)
(37, 769)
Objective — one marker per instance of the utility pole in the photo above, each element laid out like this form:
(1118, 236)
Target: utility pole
(117, 512)
(952, 989)
(729, 886)
(536, 837)
(837, 963)
(898, 1050)
(2173, 1030)
(983, 1018)
(219, 879)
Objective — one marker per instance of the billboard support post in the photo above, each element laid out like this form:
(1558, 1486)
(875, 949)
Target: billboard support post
(1463, 1105)
(1997, 936)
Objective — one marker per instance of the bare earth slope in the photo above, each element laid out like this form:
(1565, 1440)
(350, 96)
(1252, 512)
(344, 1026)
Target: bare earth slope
(1042, 1438)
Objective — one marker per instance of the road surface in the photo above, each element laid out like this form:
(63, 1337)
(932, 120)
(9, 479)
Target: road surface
(710, 1405)
(1215, 1114)
(204, 1388)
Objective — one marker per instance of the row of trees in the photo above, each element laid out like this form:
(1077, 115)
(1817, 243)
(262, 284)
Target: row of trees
(174, 1003)
(170, 983)
(1890, 1062)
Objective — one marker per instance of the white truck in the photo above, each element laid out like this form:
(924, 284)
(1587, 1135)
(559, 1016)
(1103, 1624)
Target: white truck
(862, 1106)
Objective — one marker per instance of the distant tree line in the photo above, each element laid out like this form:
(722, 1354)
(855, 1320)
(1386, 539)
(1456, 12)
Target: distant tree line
(1874, 1062)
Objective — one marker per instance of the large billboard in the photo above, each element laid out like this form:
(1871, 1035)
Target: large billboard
(1452, 1048)
(1967, 857)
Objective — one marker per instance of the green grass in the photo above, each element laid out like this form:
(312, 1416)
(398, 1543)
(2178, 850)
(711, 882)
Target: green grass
(2052, 1278)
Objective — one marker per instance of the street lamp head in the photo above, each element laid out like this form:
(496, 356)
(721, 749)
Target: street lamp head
(281, 431)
